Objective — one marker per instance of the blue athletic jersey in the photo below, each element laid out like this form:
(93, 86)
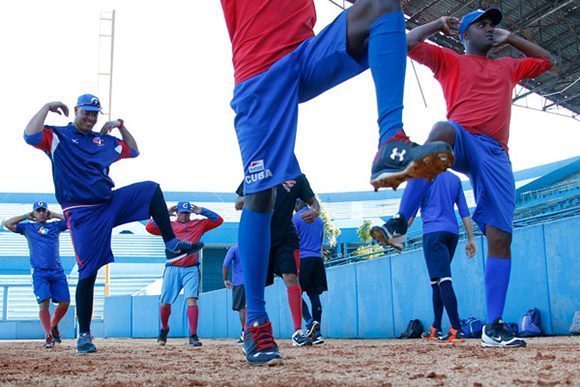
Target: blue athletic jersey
(80, 162)
(43, 243)
(437, 206)
(233, 259)
(310, 235)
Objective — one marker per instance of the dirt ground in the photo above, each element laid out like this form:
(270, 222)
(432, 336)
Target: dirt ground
(546, 361)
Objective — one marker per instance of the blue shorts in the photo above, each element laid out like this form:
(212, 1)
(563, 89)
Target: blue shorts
(50, 284)
(176, 278)
(266, 105)
(439, 248)
(489, 168)
(91, 226)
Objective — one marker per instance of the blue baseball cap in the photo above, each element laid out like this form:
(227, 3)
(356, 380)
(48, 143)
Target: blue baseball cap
(89, 103)
(184, 207)
(39, 204)
(493, 14)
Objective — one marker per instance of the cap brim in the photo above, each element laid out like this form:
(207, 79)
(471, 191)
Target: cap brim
(90, 108)
(184, 212)
(493, 14)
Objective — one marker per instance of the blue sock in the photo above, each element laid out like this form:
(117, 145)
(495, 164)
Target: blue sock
(412, 197)
(387, 61)
(450, 302)
(254, 248)
(171, 244)
(437, 307)
(497, 278)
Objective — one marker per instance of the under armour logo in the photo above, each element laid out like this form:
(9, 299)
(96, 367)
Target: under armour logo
(400, 155)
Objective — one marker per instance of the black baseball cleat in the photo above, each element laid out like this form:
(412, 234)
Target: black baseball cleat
(496, 335)
(259, 345)
(393, 233)
(299, 339)
(182, 249)
(55, 334)
(162, 339)
(318, 339)
(48, 342)
(312, 328)
(399, 160)
(194, 341)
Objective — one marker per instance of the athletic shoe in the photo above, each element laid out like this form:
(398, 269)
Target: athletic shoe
(259, 345)
(393, 233)
(240, 340)
(312, 328)
(453, 336)
(299, 339)
(162, 339)
(48, 342)
(182, 249)
(194, 341)
(85, 343)
(318, 339)
(496, 335)
(433, 334)
(55, 334)
(399, 160)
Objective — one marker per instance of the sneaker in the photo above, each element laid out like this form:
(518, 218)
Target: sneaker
(85, 343)
(433, 334)
(393, 233)
(399, 160)
(318, 339)
(240, 340)
(259, 345)
(496, 335)
(182, 249)
(55, 334)
(162, 339)
(49, 342)
(194, 341)
(453, 336)
(312, 328)
(299, 339)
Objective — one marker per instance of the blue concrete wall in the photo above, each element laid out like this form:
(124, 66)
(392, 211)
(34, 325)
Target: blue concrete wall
(375, 298)
(31, 329)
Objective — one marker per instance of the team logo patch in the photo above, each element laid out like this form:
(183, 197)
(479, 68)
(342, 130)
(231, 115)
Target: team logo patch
(256, 166)
(99, 141)
(42, 230)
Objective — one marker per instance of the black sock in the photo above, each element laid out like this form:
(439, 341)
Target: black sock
(159, 213)
(84, 299)
(316, 306)
(437, 306)
(305, 313)
(450, 301)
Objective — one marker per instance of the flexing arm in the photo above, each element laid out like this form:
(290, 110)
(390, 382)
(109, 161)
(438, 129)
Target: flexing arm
(12, 223)
(470, 248)
(528, 48)
(445, 24)
(36, 123)
(125, 134)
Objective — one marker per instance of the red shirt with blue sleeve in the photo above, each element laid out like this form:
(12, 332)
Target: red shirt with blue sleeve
(263, 31)
(478, 90)
(80, 162)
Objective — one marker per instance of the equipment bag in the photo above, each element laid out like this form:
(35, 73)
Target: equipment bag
(413, 331)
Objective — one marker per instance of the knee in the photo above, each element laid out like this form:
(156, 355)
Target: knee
(290, 280)
(64, 304)
(262, 201)
(44, 305)
(381, 7)
(442, 131)
(192, 301)
(500, 244)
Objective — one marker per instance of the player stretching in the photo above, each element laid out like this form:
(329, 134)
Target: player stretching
(279, 63)
(48, 278)
(236, 284)
(312, 272)
(284, 260)
(478, 93)
(439, 242)
(184, 273)
(80, 161)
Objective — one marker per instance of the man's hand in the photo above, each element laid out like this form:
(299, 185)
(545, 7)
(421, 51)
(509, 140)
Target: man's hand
(449, 25)
(57, 107)
(500, 36)
(228, 284)
(196, 209)
(172, 210)
(309, 216)
(109, 126)
(470, 248)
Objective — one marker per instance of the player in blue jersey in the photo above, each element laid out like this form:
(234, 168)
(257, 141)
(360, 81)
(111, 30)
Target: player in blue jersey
(48, 278)
(81, 159)
(312, 272)
(440, 236)
(233, 260)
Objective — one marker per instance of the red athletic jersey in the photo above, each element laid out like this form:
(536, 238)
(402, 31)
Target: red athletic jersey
(263, 31)
(478, 90)
(191, 232)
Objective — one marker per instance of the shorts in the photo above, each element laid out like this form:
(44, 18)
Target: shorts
(284, 259)
(176, 278)
(439, 248)
(489, 168)
(313, 275)
(91, 226)
(50, 284)
(266, 105)
(239, 297)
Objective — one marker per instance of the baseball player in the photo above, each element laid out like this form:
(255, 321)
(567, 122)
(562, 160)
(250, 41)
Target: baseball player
(233, 260)
(478, 92)
(184, 273)
(81, 159)
(48, 278)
